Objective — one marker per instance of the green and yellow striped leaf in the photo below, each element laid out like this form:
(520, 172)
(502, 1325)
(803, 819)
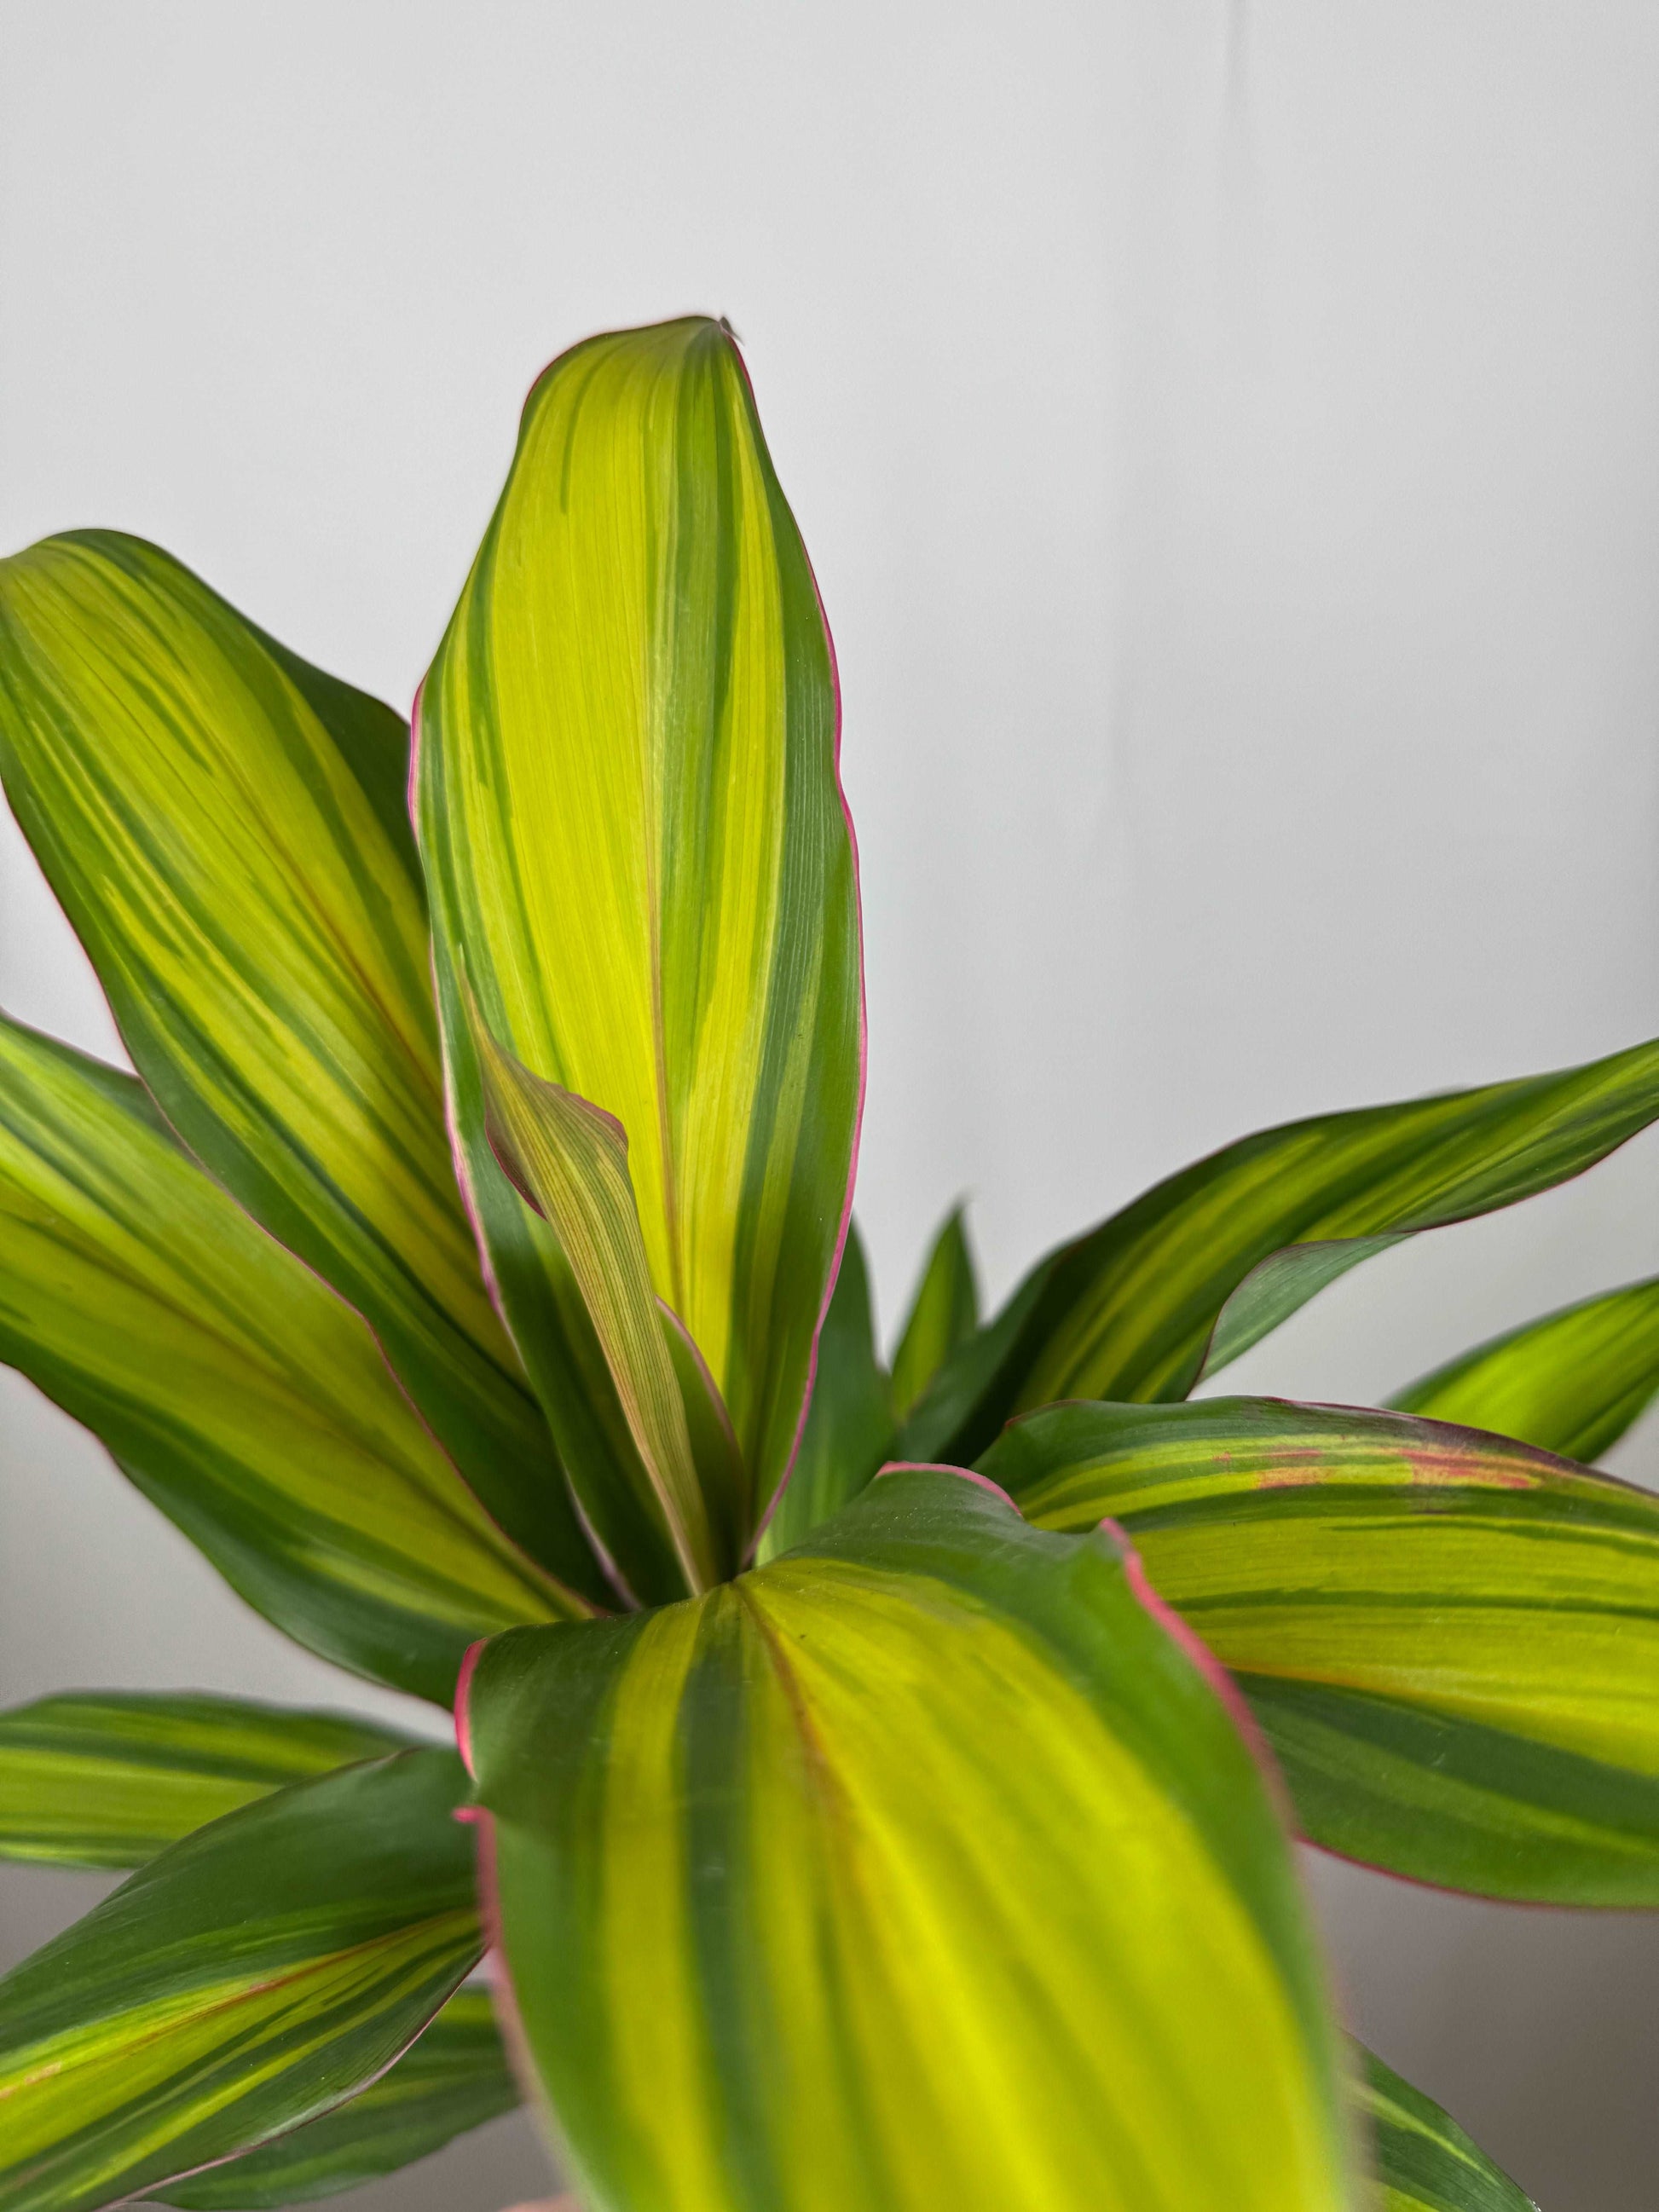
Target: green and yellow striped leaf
(1450, 1640)
(454, 2079)
(109, 1779)
(943, 1315)
(568, 1160)
(244, 1983)
(641, 865)
(849, 1424)
(233, 1387)
(1203, 1265)
(1424, 2162)
(1573, 1383)
(921, 1868)
(225, 827)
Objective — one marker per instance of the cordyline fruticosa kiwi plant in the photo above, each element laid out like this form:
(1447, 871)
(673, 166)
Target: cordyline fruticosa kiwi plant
(879, 1787)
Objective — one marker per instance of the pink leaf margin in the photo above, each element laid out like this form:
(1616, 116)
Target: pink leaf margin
(456, 1149)
(846, 1222)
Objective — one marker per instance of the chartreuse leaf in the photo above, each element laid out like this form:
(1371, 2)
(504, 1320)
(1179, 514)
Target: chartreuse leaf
(569, 1160)
(235, 1389)
(224, 826)
(640, 861)
(1573, 1383)
(943, 1315)
(454, 2078)
(1203, 1265)
(244, 1983)
(110, 1780)
(1424, 2162)
(849, 1423)
(922, 1867)
(1451, 1640)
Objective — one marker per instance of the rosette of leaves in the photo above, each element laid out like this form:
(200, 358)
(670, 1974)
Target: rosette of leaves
(877, 1783)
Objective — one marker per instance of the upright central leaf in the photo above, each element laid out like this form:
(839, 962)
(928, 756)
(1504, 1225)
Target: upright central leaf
(641, 867)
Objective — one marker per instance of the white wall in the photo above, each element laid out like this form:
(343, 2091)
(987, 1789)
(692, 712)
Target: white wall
(1227, 432)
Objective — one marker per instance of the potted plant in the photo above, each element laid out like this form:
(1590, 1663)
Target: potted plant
(875, 1785)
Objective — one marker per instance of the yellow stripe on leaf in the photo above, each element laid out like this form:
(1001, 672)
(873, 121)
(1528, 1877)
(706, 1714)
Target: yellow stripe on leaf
(919, 1870)
(1451, 1639)
(1573, 1383)
(225, 826)
(234, 1388)
(246, 1982)
(454, 2078)
(638, 857)
(1207, 1262)
(569, 1160)
(110, 1780)
(1424, 2160)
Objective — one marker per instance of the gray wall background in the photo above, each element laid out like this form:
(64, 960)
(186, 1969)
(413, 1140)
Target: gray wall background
(1227, 432)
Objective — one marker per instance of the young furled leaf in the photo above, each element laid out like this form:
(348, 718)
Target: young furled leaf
(246, 1982)
(234, 1388)
(1206, 1264)
(641, 865)
(944, 1313)
(1573, 1383)
(849, 1424)
(225, 827)
(919, 1866)
(1450, 1640)
(109, 1780)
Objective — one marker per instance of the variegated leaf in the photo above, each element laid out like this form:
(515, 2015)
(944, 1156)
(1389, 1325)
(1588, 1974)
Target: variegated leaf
(1424, 2162)
(225, 827)
(1573, 1383)
(568, 1160)
(922, 1867)
(943, 1315)
(109, 1779)
(641, 866)
(454, 2078)
(1206, 1263)
(234, 1388)
(244, 1983)
(1450, 1640)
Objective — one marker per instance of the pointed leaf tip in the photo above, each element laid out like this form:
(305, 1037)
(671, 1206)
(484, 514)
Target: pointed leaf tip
(1207, 1262)
(630, 811)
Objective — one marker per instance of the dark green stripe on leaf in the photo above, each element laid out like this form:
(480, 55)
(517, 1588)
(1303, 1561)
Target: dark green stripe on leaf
(1424, 2162)
(244, 1983)
(1451, 1638)
(454, 2079)
(222, 828)
(1573, 1383)
(1205, 1264)
(109, 1780)
(235, 1389)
